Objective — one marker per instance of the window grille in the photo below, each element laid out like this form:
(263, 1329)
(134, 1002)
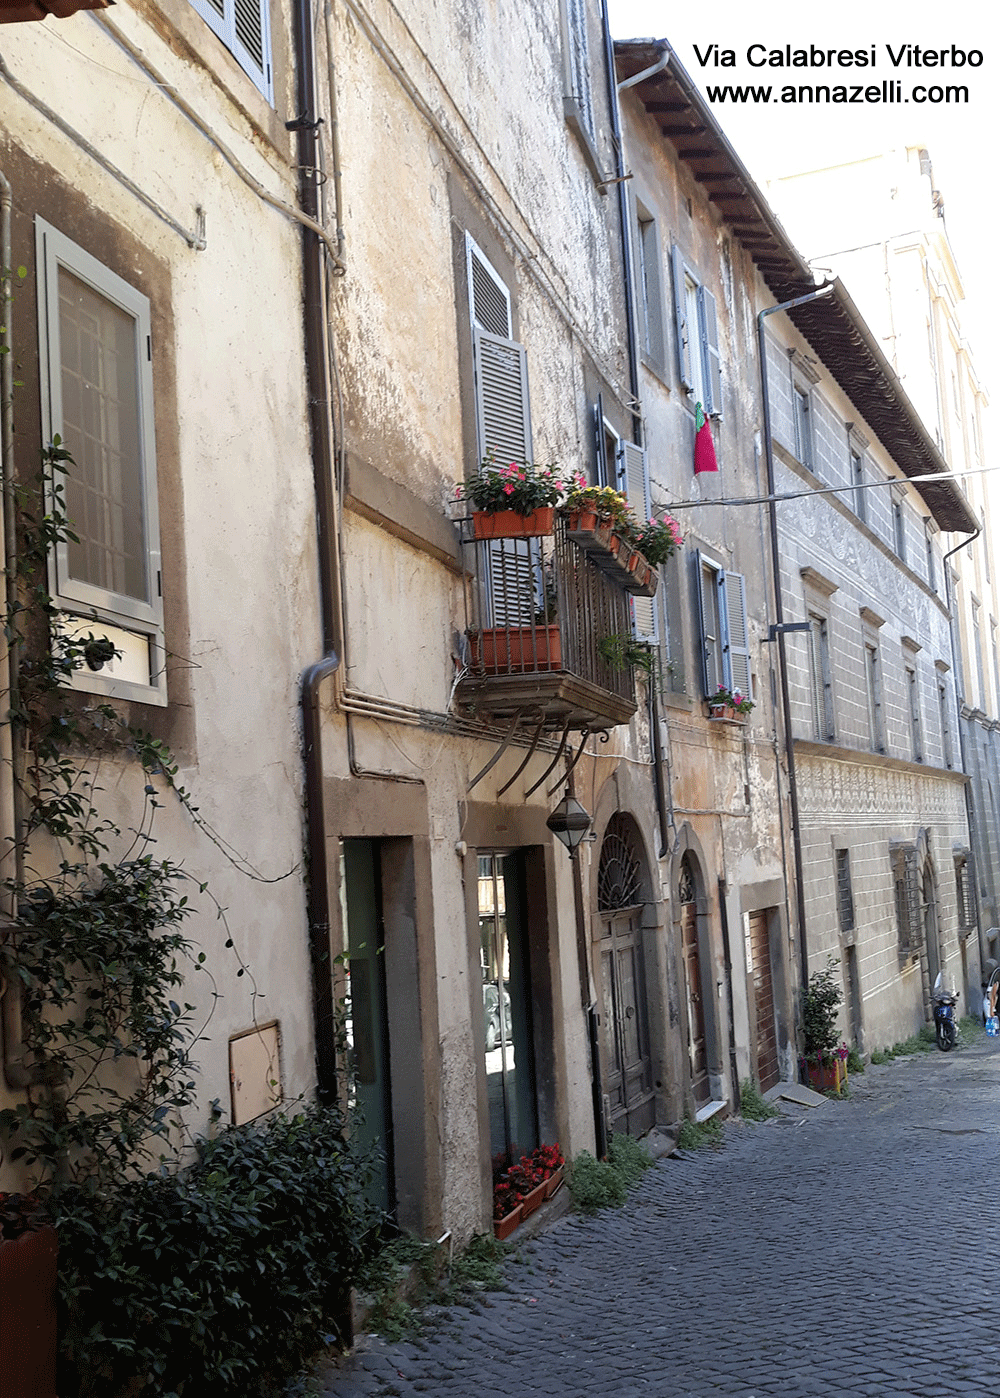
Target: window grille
(619, 874)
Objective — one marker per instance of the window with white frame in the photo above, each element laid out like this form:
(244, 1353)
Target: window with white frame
(699, 365)
(95, 357)
(802, 410)
(725, 635)
(244, 27)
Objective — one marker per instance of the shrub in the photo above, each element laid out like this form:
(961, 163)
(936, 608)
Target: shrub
(752, 1104)
(695, 1134)
(595, 1184)
(819, 1013)
(221, 1278)
(628, 1158)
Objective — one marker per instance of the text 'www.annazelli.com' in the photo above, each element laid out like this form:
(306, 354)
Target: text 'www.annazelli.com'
(886, 93)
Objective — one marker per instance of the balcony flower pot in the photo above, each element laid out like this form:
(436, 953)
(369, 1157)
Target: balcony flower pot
(28, 1314)
(509, 524)
(644, 578)
(517, 649)
(725, 713)
(504, 1227)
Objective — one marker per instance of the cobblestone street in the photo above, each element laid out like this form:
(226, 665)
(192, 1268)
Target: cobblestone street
(850, 1250)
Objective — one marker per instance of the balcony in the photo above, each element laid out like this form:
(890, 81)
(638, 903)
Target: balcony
(536, 612)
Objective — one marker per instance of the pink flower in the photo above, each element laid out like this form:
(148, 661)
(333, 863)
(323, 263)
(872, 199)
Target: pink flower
(508, 489)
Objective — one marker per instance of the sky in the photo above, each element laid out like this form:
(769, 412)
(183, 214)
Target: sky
(775, 140)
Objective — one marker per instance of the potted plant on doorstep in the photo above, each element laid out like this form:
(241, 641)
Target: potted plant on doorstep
(825, 1059)
(516, 501)
(730, 704)
(524, 1187)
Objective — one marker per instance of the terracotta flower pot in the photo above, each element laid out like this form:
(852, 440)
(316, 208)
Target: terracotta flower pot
(553, 1182)
(504, 1227)
(517, 650)
(827, 1077)
(508, 524)
(534, 1200)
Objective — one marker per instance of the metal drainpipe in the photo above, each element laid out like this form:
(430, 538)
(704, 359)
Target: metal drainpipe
(659, 794)
(970, 814)
(793, 792)
(317, 378)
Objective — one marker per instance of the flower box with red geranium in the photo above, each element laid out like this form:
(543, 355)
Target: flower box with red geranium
(524, 1186)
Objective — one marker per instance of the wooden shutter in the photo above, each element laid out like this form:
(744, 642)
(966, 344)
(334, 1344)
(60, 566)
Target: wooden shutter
(737, 651)
(681, 319)
(709, 334)
(633, 482)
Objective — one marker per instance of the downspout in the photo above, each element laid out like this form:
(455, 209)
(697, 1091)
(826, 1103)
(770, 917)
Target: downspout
(659, 793)
(786, 710)
(321, 436)
(970, 805)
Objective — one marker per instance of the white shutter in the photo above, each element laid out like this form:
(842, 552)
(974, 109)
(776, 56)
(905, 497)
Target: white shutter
(633, 482)
(737, 654)
(489, 298)
(709, 331)
(503, 420)
(681, 319)
(244, 27)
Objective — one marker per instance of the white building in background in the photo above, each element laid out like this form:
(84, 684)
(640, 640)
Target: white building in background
(880, 224)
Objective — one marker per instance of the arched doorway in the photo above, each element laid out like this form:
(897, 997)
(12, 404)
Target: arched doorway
(628, 1072)
(693, 982)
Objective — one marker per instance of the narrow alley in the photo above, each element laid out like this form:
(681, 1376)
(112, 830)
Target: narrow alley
(847, 1251)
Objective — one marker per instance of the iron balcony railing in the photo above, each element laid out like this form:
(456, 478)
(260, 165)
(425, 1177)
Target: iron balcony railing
(540, 607)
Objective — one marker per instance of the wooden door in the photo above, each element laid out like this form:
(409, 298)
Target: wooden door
(768, 1069)
(697, 1047)
(629, 1071)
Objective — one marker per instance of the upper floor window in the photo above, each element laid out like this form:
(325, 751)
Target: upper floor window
(244, 27)
(698, 362)
(578, 99)
(95, 357)
(725, 635)
(802, 407)
(649, 294)
(899, 530)
(821, 677)
(913, 692)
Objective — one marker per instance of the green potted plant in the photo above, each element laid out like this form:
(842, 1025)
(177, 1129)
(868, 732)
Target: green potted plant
(824, 1060)
(516, 501)
(619, 650)
(730, 704)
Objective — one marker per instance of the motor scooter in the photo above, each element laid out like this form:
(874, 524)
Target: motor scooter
(944, 998)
